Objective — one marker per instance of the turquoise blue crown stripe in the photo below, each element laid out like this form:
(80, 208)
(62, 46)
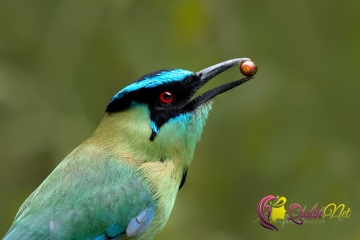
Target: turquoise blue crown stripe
(153, 81)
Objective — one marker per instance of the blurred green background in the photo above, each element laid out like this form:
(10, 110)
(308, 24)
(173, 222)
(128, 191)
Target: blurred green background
(293, 131)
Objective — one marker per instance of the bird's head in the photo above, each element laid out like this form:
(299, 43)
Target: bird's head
(160, 107)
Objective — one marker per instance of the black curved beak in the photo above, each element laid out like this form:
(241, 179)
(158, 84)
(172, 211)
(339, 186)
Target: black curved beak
(208, 73)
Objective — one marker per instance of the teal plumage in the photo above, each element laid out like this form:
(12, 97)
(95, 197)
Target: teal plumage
(122, 182)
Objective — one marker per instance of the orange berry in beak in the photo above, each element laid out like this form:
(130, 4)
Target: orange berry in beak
(248, 68)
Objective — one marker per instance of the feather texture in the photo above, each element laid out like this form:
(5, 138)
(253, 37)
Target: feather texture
(112, 178)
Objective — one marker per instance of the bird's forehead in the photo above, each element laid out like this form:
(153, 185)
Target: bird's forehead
(155, 79)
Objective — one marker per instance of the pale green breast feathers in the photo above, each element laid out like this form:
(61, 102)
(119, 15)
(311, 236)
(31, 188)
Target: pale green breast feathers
(161, 162)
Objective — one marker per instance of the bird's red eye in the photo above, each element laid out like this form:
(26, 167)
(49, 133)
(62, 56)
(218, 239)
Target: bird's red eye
(166, 97)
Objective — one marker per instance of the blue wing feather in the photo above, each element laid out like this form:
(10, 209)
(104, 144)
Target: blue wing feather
(140, 223)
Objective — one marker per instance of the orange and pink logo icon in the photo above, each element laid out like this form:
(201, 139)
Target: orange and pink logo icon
(270, 209)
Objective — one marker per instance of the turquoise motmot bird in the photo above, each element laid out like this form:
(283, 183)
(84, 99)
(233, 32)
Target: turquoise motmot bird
(122, 182)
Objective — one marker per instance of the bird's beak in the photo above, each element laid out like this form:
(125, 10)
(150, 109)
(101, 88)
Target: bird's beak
(208, 73)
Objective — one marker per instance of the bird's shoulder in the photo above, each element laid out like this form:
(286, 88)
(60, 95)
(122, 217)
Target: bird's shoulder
(90, 193)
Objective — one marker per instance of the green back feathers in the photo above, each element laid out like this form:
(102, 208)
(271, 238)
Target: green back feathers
(88, 191)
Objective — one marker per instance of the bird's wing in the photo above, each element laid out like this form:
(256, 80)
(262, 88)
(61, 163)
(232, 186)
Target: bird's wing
(136, 226)
(82, 201)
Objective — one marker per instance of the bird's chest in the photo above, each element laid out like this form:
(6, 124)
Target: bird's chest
(164, 179)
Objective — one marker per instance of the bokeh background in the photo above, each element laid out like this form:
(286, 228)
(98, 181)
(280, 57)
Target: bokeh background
(293, 131)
